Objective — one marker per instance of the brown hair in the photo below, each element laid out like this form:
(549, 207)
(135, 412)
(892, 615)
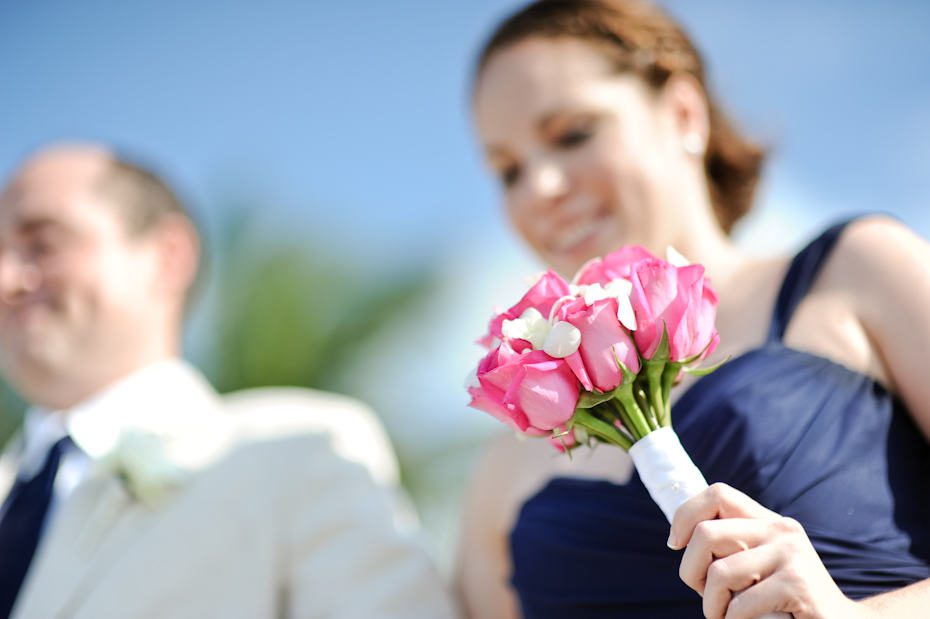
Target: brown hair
(640, 38)
(140, 195)
(143, 199)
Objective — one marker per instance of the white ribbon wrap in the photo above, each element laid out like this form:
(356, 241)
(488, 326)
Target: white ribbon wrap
(666, 470)
(670, 476)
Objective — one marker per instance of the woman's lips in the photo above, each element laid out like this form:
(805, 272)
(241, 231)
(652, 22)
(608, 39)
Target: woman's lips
(576, 235)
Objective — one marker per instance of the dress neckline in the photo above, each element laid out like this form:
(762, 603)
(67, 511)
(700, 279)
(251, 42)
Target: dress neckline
(694, 388)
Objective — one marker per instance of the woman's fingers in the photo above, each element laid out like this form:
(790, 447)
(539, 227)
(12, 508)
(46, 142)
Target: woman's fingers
(737, 545)
(718, 501)
(734, 576)
(713, 540)
(768, 596)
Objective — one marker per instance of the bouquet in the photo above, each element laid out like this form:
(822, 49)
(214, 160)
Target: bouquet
(595, 360)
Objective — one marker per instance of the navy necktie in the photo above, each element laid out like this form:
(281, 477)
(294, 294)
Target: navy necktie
(24, 514)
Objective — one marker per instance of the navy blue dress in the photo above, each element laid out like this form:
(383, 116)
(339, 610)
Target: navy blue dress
(804, 436)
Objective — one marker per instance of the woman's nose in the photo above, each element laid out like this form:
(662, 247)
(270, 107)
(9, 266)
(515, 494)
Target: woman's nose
(547, 183)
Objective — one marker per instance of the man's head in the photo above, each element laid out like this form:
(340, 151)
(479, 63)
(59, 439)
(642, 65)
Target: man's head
(96, 257)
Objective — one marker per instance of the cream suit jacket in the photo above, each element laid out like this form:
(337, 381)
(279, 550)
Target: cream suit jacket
(285, 515)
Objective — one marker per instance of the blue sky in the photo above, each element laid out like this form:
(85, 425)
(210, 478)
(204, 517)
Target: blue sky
(352, 116)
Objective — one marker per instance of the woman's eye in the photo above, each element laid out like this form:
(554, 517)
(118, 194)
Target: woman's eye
(574, 137)
(510, 175)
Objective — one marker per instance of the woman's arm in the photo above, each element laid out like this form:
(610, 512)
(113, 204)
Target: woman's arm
(910, 601)
(483, 562)
(735, 544)
(893, 265)
(886, 270)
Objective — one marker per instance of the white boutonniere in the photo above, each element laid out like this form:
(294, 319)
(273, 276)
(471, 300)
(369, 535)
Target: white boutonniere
(139, 459)
(154, 431)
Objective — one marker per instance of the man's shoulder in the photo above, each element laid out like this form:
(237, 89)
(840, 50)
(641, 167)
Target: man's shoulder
(311, 425)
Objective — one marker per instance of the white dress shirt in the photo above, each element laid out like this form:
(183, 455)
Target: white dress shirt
(94, 425)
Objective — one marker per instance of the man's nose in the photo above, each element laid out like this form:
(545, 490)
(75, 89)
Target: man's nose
(17, 278)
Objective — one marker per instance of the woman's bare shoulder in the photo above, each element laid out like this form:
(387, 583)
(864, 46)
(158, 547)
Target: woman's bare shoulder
(878, 268)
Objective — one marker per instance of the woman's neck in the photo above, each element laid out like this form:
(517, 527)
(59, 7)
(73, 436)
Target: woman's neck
(703, 242)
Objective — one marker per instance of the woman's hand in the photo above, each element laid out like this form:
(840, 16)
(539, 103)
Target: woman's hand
(736, 545)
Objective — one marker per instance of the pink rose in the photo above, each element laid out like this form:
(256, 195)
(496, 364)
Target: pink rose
(602, 337)
(678, 298)
(526, 389)
(615, 265)
(548, 289)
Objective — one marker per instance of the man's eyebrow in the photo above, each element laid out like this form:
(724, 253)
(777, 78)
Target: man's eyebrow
(36, 223)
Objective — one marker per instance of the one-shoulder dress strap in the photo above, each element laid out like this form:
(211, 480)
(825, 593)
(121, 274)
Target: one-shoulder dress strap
(802, 273)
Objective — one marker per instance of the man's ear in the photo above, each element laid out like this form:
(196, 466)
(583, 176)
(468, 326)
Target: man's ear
(686, 102)
(178, 254)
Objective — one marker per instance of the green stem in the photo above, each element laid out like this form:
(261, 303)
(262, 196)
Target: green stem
(655, 392)
(627, 403)
(643, 402)
(654, 370)
(669, 374)
(602, 429)
(607, 412)
(618, 412)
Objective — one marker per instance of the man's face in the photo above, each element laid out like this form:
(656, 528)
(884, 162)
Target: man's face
(75, 288)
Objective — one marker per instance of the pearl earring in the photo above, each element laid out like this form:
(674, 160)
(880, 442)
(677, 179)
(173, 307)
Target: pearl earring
(693, 144)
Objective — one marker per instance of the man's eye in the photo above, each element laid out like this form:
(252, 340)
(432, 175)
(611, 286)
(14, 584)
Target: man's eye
(39, 247)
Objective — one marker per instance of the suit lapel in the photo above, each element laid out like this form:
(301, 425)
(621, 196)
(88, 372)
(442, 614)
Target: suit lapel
(99, 523)
(76, 547)
(98, 526)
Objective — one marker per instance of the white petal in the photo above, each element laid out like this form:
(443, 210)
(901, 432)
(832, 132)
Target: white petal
(594, 293)
(518, 327)
(619, 287)
(530, 326)
(625, 313)
(531, 315)
(562, 341)
(675, 258)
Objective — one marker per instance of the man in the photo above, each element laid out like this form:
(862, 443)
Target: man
(131, 491)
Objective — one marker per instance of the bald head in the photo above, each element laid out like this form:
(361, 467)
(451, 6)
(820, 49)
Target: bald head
(93, 171)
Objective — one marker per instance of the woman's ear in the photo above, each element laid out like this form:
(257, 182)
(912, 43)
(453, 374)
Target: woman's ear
(684, 100)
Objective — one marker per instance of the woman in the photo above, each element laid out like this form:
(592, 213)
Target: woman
(596, 118)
